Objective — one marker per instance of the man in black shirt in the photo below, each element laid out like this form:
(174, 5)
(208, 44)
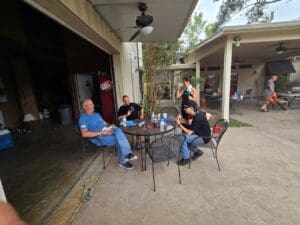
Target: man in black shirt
(198, 127)
(131, 111)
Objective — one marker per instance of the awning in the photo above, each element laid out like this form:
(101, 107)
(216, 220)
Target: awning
(282, 67)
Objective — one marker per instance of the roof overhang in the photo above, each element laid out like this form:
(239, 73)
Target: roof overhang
(258, 43)
(169, 17)
(280, 67)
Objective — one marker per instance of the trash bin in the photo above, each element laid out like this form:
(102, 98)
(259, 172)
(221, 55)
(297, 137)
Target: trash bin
(65, 113)
(6, 140)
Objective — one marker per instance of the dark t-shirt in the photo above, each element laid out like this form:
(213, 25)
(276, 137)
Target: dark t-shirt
(135, 108)
(200, 126)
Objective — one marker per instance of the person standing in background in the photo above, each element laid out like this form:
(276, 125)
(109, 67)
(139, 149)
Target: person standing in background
(189, 93)
(269, 93)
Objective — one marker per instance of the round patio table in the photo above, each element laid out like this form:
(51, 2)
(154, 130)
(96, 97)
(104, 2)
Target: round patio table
(146, 132)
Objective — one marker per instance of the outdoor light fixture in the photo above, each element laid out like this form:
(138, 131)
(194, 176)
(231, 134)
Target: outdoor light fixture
(147, 30)
(237, 40)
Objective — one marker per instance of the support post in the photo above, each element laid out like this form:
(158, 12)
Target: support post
(198, 76)
(226, 79)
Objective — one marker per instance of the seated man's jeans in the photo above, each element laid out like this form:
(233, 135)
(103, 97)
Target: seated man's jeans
(188, 140)
(117, 138)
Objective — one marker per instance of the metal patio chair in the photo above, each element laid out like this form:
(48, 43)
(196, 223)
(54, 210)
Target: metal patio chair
(159, 151)
(217, 132)
(86, 142)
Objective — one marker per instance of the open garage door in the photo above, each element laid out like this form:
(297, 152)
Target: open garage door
(38, 62)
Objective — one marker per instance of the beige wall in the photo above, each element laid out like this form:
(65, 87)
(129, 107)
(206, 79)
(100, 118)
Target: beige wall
(252, 78)
(126, 73)
(296, 76)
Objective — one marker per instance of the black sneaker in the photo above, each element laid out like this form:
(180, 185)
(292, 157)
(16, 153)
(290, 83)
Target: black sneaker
(197, 154)
(126, 165)
(183, 162)
(130, 156)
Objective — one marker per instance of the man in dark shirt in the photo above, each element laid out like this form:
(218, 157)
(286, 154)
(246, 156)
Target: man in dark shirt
(131, 111)
(198, 127)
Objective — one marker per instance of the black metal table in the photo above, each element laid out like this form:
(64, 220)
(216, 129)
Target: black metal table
(158, 150)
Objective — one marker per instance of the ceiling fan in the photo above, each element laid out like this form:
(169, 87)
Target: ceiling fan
(282, 49)
(142, 22)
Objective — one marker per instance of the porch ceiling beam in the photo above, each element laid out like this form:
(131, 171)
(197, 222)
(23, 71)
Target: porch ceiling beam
(206, 50)
(270, 36)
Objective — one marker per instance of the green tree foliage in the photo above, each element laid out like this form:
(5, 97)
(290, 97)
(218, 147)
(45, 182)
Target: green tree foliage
(191, 34)
(210, 29)
(156, 58)
(255, 10)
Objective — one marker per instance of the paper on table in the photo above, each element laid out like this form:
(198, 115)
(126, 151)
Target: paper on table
(107, 128)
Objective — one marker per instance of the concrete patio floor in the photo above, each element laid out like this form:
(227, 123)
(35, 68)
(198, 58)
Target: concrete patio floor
(259, 182)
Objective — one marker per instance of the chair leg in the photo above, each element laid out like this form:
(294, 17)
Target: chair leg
(190, 159)
(213, 152)
(103, 159)
(153, 175)
(83, 146)
(142, 158)
(217, 161)
(179, 174)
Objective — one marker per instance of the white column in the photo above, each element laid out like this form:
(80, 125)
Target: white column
(226, 79)
(198, 76)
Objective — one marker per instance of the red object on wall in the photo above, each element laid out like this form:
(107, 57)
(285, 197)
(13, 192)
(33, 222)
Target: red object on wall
(107, 97)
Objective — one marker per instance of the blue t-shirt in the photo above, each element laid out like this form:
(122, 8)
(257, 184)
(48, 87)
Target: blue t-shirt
(93, 122)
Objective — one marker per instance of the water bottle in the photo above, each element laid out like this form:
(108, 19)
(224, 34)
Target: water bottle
(238, 94)
(124, 122)
(162, 124)
(152, 117)
(165, 117)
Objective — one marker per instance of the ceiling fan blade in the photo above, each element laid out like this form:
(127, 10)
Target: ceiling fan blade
(126, 28)
(135, 34)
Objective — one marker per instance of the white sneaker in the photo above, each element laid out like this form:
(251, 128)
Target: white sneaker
(130, 157)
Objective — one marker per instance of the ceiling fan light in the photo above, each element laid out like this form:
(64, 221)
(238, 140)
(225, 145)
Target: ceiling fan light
(280, 51)
(147, 30)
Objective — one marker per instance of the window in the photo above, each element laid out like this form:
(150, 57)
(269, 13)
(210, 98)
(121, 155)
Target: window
(165, 90)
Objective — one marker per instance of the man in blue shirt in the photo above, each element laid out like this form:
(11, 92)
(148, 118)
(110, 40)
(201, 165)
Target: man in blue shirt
(93, 126)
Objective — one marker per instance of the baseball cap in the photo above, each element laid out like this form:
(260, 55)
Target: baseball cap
(191, 103)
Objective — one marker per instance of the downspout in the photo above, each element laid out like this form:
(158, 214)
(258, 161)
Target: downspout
(138, 67)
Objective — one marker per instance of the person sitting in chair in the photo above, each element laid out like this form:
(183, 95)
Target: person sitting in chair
(131, 111)
(93, 126)
(198, 127)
